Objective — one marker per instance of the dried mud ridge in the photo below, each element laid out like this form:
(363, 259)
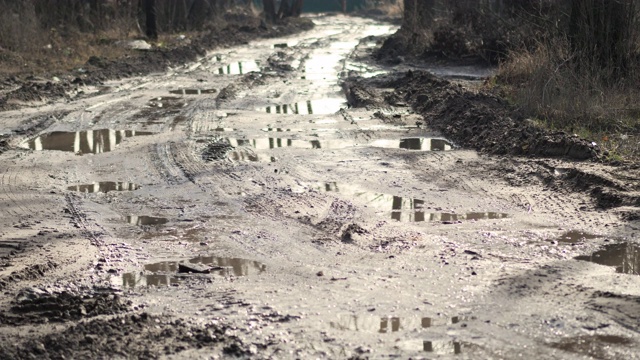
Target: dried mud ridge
(15, 91)
(477, 120)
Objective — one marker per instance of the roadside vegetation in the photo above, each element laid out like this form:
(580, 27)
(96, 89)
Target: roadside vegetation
(569, 65)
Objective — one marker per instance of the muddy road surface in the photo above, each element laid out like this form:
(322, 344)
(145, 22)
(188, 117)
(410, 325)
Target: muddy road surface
(237, 207)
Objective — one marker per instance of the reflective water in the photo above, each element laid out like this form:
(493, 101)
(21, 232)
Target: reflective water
(166, 273)
(575, 236)
(389, 324)
(275, 143)
(146, 220)
(402, 209)
(193, 91)
(417, 143)
(625, 257)
(239, 68)
(82, 142)
(309, 107)
(243, 155)
(167, 102)
(104, 187)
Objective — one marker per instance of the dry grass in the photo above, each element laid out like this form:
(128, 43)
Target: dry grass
(567, 93)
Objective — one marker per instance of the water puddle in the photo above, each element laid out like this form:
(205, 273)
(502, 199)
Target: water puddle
(193, 91)
(389, 324)
(167, 102)
(309, 107)
(239, 68)
(596, 346)
(269, 129)
(276, 143)
(146, 220)
(168, 273)
(444, 217)
(243, 155)
(403, 209)
(575, 236)
(82, 142)
(417, 143)
(625, 257)
(104, 187)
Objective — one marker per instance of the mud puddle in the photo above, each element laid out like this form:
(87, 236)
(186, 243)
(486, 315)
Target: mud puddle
(104, 187)
(575, 236)
(309, 107)
(389, 324)
(239, 68)
(276, 143)
(170, 103)
(404, 209)
(82, 142)
(625, 257)
(597, 346)
(193, 91)
(169, 273)
(146, 220)
(243, 155)
(416, 143)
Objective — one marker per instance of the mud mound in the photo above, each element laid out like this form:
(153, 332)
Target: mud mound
(30, 273)
(34, 92)
(131, 337)
(216, 150)
(37, 305)
(4, 143)
(482, 121)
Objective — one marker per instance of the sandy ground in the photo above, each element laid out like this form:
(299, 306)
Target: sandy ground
(236, 207)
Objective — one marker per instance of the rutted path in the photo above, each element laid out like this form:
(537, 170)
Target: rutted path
(237, 206)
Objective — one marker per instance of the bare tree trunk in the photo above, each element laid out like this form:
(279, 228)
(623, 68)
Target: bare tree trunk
(270, 10)
(152, 19)
(410, 15)
(284, 10)
(296, 8)
(344, 6)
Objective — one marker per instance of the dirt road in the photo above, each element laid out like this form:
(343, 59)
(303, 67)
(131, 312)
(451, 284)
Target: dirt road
(237, 207)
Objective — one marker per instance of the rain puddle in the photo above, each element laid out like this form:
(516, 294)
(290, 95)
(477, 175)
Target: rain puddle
(239, 68)
(403, 209)
(437, 347)
(172, 272)
(445, 217)
(104, 187)
(82, 142)
(372, 324)
(417, 143)
(193, 91)
(146, 220)
(625, 257)
(596, 346)
(309, 107)
(167, 102)
(276, 143)
(575, 236)
(243, 155)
